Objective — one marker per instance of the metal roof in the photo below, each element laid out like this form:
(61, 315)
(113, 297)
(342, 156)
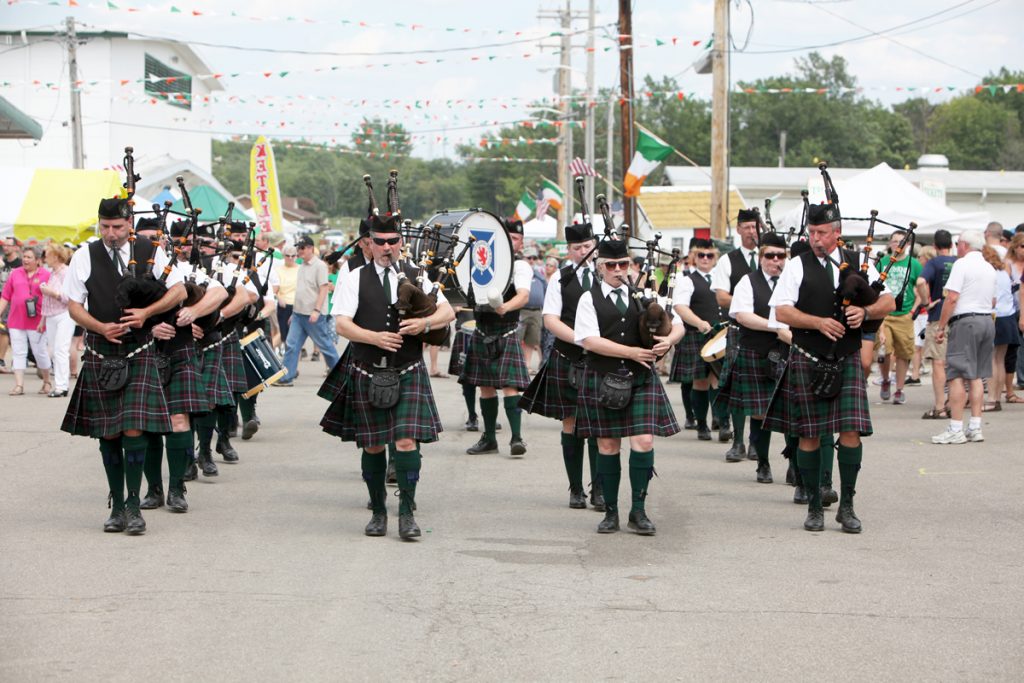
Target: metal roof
(16, 124)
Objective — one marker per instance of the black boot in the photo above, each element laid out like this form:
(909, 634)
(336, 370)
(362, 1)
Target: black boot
(134, 523)
(225, 448)
(815, 518)
(790, 477)
(517, 447)
(845, 515)
(176, 500)
(736, 453)
(752, 451)
(577, 498)
(116, 521)
(610, 523)
(472, 424)
(597, 496)
(486, 444)
(407, 527)
(207, 463)
(640, 523)
(378, 524)
(390, 477)
(250, 428)
(703, 433)
(828, 495)
(764, 473)
(154, 499)
(690, 424)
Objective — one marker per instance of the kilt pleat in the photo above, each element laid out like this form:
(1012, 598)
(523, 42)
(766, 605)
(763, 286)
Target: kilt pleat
(214, 381)
(184, 391)
(550, 394)
(139, 405)
(336, 378)
(650, 411)
(796, 410)
(687, 365)
(750, 387)
(507, 370)
(457, 360)
(415, 416)
(234, 370)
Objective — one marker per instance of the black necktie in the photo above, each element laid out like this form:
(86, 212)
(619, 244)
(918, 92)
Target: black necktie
(115, 254)
(829, 270)
(586, 279)
(708, 278)
(775, 281)
(620, 303)
(387, 288)
(753, 264)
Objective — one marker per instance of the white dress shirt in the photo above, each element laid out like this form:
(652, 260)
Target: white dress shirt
(553, 296)
(80, 269)
(346, 294)
(684, 288)
(788, 290)
(723, 269)
(586, 316)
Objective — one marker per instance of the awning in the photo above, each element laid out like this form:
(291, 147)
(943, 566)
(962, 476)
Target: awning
(61, 204)
(16, 124)
(213, 204)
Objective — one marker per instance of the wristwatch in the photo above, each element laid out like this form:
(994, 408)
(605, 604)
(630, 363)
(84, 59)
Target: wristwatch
(427, 328)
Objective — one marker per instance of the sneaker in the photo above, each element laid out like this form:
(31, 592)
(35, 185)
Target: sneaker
(974, 435)
(898, 398)
(950, 437)
(911, 382)
(886, 390)
(283, 383)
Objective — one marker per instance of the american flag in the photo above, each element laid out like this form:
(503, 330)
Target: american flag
(578, 167)
(542, 207)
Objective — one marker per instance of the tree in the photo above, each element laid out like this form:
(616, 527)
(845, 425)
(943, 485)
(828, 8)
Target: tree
(378, 136)
(976, 133)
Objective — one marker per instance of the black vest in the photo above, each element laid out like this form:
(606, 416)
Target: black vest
(818, 296)
(571, 293)
(371, 315)
(703, 302)
(104, 278)
(357, 260)
(491, 321)
(759, 340)
(739, 268)
(621, 328)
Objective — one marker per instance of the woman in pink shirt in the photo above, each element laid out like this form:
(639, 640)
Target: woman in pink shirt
(59, 325)
(22, 294)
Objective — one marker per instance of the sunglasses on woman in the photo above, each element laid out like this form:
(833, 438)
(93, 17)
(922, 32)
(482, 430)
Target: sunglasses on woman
(705, 254)
(616, 265)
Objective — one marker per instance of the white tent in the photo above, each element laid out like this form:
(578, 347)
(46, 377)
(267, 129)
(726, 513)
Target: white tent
(14, 184)
(896, 199)
(540, 228)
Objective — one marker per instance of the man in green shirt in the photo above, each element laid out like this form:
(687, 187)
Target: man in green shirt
(898, 327)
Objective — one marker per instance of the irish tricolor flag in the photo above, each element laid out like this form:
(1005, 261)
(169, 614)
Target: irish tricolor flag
(650, 151)
(526, 206)
(550, 191)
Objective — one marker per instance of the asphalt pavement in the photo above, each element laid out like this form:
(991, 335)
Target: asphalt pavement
(269, 577)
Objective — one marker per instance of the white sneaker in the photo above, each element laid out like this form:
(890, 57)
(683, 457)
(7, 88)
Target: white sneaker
(949, 436)
(974, 435)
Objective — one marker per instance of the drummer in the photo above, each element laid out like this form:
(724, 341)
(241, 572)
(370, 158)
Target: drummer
(607, 326)
(494, 357)
(727, 274)
(266, 280)
(552, 393)
(760, 347)
(695, 303)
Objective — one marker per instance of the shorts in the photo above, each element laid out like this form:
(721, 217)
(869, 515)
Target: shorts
(933, 350)
(531, 322)
(969, 354)
(899, 336)
(1006, 330)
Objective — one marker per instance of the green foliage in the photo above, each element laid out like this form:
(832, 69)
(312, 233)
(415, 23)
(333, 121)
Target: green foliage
(977, 133)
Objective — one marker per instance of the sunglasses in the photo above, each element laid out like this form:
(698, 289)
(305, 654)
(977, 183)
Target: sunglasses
(389, 241)
(705, 254)
(617, 265)
(775, 255)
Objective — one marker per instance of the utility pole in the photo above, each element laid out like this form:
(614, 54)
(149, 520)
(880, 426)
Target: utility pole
(588, 150)
(782, 149)
(77, 153)
(720, 122)
(565, 148)
(609, 149)
(626, 107)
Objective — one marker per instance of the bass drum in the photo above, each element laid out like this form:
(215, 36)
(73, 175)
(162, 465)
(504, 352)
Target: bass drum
(486, 269)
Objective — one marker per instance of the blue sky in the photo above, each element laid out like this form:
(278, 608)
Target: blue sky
(963, 41)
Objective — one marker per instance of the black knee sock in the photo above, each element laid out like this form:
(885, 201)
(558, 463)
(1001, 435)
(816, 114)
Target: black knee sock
(375, 467)
(809, 463)
(688, 399)
(469, 394)
(572, 455)
(407, 469)
(247, 406)
(761, 439)
(700, 407)
(514, 415)
(737, 426)
(828, 453)
(641, 470)
(204, 428)
(113, 465)
(154, 461)
(849, 465)
(134, 461)
(224, 414)
(609, 467)
(489, 411)
(179, 447)
(592, 457)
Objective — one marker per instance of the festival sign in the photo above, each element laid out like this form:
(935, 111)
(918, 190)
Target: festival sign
(266, 199)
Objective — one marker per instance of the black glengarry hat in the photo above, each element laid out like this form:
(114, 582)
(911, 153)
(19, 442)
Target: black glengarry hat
(746, 216)
(384, 224)
(701, 243)
(514, 226)
(822, 214)
(114, 207)
(179, 228)
(773, 239)
(579, 232)
(613, 249)
(147, 223)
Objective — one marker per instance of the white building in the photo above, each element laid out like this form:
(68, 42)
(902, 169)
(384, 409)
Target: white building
(121, 103)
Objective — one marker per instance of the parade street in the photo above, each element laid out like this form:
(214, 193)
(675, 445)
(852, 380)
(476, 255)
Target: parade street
(269, 575)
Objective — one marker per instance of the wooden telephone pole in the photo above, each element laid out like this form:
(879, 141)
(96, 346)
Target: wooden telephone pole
(720, 122)
(626, 103)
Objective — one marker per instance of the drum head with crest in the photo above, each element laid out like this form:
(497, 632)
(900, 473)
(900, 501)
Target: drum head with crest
(486, 267)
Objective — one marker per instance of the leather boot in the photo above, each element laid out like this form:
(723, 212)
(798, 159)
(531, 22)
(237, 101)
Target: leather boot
(207, 463)
(597, 496)
(154, 499)
(790, 476)
(225, 448)
(176, 500)
(752, 451)
(249, 429)
(815, 515)
(116, 521)
(407, 527)
(378, 524)
(517, 447)
(484, 445)
(845, 515)
(577, 499)
(192, 471)
(640, 523)
(828, 495)
(134, 523)
(736, 453)
(764, 474)
(610, 523)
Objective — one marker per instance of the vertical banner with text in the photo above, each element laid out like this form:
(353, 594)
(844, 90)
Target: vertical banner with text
(266, 200)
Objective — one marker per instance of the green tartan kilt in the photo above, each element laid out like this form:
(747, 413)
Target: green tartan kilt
(796, 410)
(750, 385)
(508, 370)
(184, 392)
(214, 381)
(139, 405)
(687, 365)
(414, 416)
(457, 360)
(335, 380)
(234, 370)
(550, 394)
(648, 413)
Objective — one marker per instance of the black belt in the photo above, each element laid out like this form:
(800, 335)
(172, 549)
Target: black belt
(967, 315)
(532, 309)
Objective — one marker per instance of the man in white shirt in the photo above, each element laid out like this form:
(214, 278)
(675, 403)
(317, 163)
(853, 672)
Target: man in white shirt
(967, 313)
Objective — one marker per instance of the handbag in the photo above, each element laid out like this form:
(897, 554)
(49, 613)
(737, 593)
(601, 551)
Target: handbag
(113, 374)
(828, 378)
(615, 391)
(384, 389)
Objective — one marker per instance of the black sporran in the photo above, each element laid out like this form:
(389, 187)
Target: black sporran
(163, 367)
(775, 365)
(576, 369)
(113, 374)
(493, 346)
(615, 391)
(384, 389)
(827, 379)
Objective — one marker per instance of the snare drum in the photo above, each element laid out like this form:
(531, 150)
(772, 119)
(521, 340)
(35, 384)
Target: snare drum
(262, 368)
(486, 268)
(714, 350)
